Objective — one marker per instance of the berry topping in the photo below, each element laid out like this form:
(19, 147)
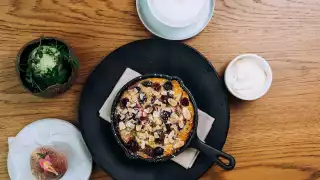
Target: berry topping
(123, 102)
(133, 145)
(167, 86)
(158, 151)
(147, 83)
(156, 86)
(165, 115)
(184, 101)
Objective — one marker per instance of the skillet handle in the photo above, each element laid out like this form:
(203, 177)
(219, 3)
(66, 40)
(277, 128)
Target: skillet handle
(215, 154)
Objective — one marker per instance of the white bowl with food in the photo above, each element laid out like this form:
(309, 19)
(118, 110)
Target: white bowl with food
(248, 77)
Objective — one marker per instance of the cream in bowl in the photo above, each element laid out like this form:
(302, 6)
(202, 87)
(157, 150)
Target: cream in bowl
(176, 13)
(248, 77)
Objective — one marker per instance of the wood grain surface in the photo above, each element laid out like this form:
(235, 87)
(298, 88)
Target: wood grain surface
(274, 138)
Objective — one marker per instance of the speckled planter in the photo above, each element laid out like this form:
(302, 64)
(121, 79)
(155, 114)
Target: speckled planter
(53, 90)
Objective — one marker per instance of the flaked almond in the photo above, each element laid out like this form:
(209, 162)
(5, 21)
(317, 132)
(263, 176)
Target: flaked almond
(181, 118)
(157, 94)
(139, 114)
(186, 113)
(148, 128)
(174, 116)
(151, 138)
(157, 102)
(164, 129)
(158, 121)
(122, 126)
(138, 127)
(156, 114)
(173, 120)
(133, 91)
(132, 104)
(143, 144)
(157, 127)
(181, 124)
(171, 134)
(122, 116)
(164, 93)
(163, 106)
(168, 109)
(150, 117)
(142, 135)
(130, 124)
(172, 102)
(174, 127)
(126, 136)
(156, 135)
(178, 144)
(166, 141)
(171, 140)
(148, 110)
(125, 111)
(133, 111)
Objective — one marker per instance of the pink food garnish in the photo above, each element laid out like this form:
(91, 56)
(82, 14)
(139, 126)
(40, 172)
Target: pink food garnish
(47, 165)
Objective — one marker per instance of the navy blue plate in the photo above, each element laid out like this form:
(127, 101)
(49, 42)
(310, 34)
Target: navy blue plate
(147, 57)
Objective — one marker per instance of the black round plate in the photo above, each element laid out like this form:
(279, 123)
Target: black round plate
(146, 57)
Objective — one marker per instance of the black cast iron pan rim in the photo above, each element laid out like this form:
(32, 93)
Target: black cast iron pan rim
(94, 155)
(117, 100)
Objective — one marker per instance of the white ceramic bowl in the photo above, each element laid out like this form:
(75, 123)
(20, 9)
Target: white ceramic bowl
(178, 24)
(166, 32)
(263, 64)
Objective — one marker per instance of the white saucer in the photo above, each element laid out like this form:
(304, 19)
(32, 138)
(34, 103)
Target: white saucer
(171, 33)
(49, 132)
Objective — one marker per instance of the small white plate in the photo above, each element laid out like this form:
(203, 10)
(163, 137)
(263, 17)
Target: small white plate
(172, 33)
(49, 132)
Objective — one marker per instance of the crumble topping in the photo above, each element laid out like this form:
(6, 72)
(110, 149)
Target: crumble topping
(154, 117)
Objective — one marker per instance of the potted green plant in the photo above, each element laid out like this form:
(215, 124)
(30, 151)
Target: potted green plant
(46, 66)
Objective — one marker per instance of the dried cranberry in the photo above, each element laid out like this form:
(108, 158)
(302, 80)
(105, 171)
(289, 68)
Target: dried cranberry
(158, 151)
(133, 145)
(165, 115)
(168, 127)
(143, 118)
(142, 98)
(147, 83)
(164, 99)
(148, 150)
(184, 101)
(156, 86)
(123, 102)
(153, 99)
(160, 140)
(167, 86)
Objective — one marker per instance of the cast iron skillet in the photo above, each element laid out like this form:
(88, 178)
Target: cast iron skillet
(193, 140)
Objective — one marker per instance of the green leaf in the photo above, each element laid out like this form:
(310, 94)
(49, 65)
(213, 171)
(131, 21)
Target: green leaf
(40, 54)
(42, 156)
(75, 63)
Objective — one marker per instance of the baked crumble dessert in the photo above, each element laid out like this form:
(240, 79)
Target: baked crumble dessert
(154, 117)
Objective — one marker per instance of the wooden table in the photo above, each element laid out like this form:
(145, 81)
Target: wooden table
(274, 138)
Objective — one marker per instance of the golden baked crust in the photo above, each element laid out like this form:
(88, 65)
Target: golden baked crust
(155, 117)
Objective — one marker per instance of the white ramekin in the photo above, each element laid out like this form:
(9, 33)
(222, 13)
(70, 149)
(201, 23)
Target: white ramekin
(263, 64)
